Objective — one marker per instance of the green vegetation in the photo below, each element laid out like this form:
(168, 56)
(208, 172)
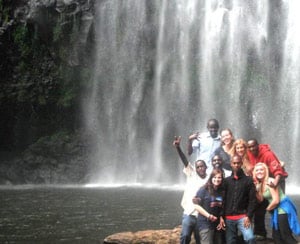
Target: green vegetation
(43, 74)
(41, 78)
(4, 12)
(22, 40)
(57, 31)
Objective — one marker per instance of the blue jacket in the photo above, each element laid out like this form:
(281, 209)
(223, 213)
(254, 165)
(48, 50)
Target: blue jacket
(288, 206)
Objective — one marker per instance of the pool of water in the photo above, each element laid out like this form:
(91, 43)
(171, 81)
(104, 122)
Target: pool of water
(31, 214)
(83, 215)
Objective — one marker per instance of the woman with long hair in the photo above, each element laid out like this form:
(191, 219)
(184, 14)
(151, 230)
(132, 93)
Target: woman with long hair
(283, 211)
(239, 147)
(209, 201)
(227, 140)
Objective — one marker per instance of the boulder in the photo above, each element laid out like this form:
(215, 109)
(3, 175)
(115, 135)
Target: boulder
(164, 236)
(170, 236)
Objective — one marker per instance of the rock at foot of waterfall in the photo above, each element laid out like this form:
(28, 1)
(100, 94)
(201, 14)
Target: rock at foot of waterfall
(146, 237)
(171, 236)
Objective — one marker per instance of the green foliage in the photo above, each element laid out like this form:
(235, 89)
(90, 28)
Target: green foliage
(41, 76)
(62, 135)
(21, 39)
(57, 31)
(41, 81)
(4, 12)
(68, 93)
(74, 78)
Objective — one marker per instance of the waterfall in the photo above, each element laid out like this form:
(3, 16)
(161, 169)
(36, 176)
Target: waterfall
(163, 68)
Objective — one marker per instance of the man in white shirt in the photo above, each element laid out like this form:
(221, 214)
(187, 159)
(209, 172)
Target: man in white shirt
(203, 145)
(195, 178)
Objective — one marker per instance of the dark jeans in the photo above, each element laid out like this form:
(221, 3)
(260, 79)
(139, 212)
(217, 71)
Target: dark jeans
(284, 234)
(189, 226)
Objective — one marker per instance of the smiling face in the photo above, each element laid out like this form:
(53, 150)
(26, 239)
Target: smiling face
(217, 161)
(217, 180)
(200, 168)
(240, 149)
(260, 172)
(253, 147)
(226, 137)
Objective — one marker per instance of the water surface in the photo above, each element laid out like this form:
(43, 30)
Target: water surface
(83, 215)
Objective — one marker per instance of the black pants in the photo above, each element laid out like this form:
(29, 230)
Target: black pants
(259, 218)
(260, 213)
(284, 234)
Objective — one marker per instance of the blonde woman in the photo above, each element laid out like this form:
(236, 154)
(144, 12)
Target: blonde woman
(283, 211)
(239, 147)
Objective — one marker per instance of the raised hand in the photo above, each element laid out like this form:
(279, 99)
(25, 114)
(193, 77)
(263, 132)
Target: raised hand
(176, 141)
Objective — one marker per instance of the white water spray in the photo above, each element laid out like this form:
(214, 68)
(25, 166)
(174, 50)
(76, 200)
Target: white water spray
(163, 68)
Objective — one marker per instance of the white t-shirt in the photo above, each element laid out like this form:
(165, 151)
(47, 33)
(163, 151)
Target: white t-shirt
(193, 183)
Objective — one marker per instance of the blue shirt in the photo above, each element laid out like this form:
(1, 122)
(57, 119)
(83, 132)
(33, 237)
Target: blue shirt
(212, 203)
(204, 147)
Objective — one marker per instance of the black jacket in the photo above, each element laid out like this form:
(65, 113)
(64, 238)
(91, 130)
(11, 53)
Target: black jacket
(240, 195)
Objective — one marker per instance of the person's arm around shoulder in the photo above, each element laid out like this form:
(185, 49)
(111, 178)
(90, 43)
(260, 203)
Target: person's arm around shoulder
(275, 182)
(275, 197)
(176, 144)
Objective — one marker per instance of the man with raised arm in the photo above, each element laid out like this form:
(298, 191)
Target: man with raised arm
(195, 178)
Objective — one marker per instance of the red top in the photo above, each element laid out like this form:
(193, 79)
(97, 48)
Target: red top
(265, 155)
(235, 217)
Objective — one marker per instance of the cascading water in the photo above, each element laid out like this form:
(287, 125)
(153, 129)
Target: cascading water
(163, 68)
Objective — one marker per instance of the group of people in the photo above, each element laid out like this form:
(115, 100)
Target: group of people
(229, 189)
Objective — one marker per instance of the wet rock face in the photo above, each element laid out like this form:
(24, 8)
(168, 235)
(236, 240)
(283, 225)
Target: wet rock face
(44, 46)
(30, 10)
(63, 159)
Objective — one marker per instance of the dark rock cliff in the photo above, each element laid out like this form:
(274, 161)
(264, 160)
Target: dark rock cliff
(46, 52)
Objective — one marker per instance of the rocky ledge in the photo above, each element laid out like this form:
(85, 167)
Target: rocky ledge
(145, 237)
(170, 236)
